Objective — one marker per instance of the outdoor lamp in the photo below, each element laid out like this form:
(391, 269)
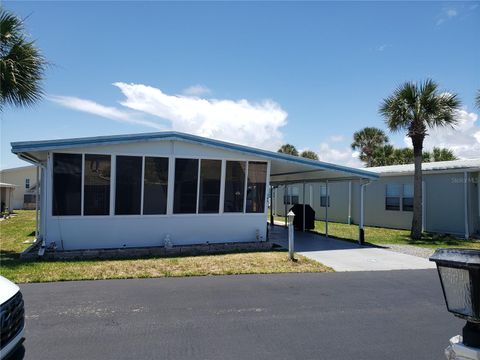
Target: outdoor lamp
(290, 217)
(459, 272)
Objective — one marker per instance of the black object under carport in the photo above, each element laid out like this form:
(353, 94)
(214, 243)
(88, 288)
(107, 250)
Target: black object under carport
(298, 219)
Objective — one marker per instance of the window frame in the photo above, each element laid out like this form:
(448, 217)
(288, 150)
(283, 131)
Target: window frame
(327, 196)
(407, 197)
(167, 157)
(84, 156)
(170, 192)
(27, 183)
(52, 185)
(399, 197)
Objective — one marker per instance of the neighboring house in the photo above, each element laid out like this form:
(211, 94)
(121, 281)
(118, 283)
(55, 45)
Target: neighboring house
(156, 189)
(451, 198)
(24, 179)
(6, 195)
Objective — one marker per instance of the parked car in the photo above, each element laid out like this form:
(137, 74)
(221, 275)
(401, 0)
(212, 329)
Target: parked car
(12, 317)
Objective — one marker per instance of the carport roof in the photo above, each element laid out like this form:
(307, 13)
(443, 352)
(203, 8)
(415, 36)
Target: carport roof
(285, 168)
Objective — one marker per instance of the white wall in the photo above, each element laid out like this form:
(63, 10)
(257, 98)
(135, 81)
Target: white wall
(17, 176)
(112, 231)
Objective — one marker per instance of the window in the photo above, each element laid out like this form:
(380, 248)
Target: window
(291, 197)
(257, 176)
(392, 198)
(27, 183)
(96, 185)
(186, 179)
(324, 197)
(155, 185)
(128, 185)
(407, 199)
(210, 174)
(234, 186)
(67, 184)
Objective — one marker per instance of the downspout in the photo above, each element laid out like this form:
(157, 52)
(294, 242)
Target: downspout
(38, 163)
(36, 202)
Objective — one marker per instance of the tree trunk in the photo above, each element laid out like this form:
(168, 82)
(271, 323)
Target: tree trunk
(416, 231)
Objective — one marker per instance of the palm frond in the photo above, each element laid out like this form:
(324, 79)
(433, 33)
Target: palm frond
(22, 66)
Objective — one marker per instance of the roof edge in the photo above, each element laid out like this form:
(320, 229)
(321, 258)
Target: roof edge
(45, 145)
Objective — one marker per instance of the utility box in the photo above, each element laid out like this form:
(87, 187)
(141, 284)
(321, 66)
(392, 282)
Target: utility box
(309, 217)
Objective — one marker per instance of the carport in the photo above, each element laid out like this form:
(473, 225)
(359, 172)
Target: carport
(289, 170)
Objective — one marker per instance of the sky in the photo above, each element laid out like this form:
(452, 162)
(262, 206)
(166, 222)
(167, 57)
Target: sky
(255, 73)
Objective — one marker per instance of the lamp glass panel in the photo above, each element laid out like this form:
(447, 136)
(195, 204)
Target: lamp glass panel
(456, 284)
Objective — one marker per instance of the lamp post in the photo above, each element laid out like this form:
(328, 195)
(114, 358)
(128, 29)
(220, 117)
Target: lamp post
(459, 272)
(290, 217)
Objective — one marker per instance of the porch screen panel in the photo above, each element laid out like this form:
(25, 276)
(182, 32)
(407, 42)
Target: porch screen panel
(234, 186)
(96, 192)
(128, 187)
(155, 185)
(186, 182)
(67, 184)
(210, 173)
(256, 186)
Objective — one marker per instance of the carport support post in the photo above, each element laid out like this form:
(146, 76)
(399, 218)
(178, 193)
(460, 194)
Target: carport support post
(271, 205)
(285, 194)
(303, 224)
(361, 233)
(326, 208)
(465, 203)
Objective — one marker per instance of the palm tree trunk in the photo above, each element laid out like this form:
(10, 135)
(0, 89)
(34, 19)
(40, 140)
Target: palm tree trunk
(416, 231)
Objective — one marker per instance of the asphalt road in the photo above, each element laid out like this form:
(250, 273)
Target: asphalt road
(361, 315)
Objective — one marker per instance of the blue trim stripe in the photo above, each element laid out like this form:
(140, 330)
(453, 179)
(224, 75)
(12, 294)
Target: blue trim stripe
(46, 145)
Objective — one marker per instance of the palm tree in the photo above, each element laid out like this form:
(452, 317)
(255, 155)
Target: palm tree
(288, 149)
(309, 154)
(21, 64)
(367, 141)
(477, 99)
(443, 154)
(415, 108)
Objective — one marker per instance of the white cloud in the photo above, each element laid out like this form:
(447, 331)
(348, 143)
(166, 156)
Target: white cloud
(382, 47)
(108, 112)
(446, 14)
(240, 121)
(451, 13)
(339, 155)
(463, 140)
(196, 90)
(337, 138)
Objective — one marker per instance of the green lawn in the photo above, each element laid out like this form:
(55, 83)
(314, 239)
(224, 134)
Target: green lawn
(383, 236)
(16, 230)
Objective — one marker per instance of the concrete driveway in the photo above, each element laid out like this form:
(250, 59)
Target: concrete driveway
(347, 256)
(394, 315)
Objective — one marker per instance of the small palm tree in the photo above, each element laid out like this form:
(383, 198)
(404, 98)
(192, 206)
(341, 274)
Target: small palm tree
(288, 149)
(442, 154)
(21, 64)
(367, 141)
(309, 154)
(415, 108)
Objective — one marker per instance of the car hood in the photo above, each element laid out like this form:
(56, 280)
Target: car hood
(7, 289)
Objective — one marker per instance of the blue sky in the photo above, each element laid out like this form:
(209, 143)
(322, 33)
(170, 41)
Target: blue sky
(255, 73)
